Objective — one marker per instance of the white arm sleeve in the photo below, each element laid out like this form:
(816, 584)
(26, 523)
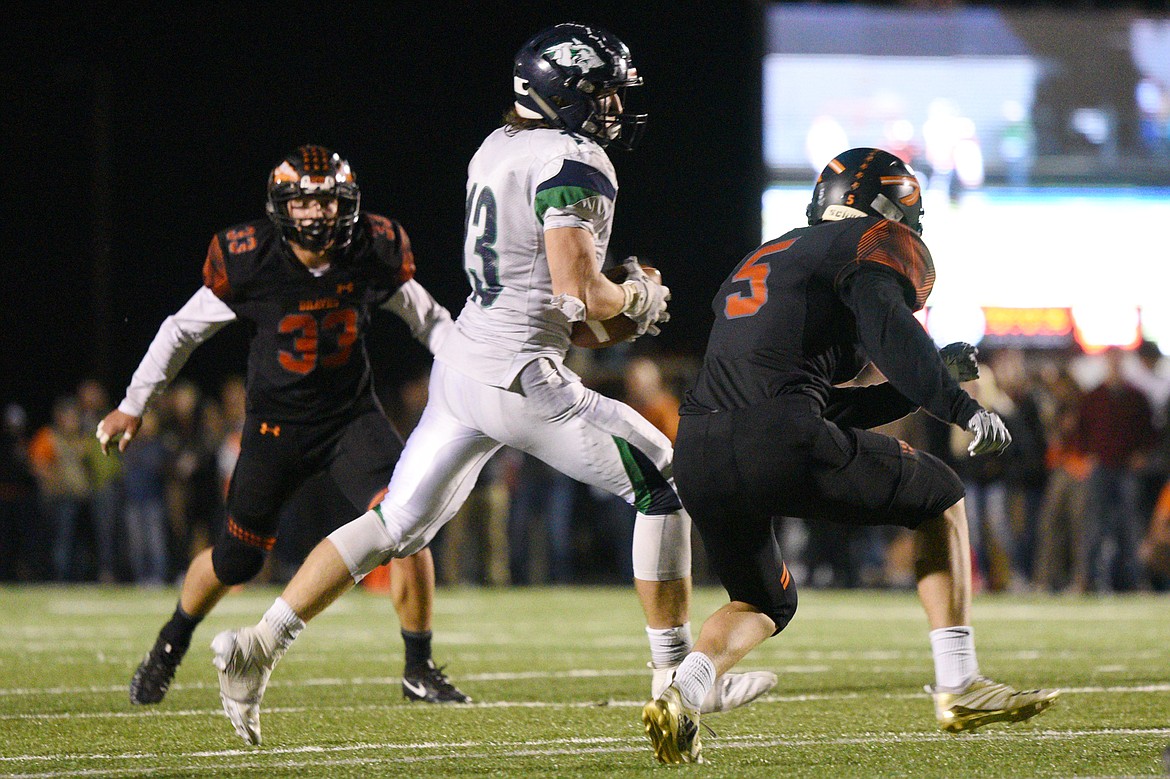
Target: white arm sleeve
(428, 320)
(201, 317)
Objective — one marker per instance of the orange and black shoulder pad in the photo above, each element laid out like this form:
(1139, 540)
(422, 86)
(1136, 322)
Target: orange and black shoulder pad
(215, 275)
(393, 244)
(900, 248)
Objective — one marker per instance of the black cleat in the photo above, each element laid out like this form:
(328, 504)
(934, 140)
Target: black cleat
(429, 684)
(153, 677)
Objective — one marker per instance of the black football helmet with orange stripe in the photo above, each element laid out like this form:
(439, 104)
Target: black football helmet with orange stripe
(313, 171)
(867, 182)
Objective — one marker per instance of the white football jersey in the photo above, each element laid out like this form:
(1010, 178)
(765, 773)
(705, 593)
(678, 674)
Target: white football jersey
(519, 185)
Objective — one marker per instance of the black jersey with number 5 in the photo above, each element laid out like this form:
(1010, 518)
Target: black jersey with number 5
(307, 357)
(808, 310)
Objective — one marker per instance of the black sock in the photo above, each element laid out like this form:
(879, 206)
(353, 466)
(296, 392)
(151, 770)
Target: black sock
(418, 648)
(179, 629)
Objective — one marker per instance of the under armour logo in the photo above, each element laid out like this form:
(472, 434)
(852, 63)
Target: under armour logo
(345, 288)
(266, 428)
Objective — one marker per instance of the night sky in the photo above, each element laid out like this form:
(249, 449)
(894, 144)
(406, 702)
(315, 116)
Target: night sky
(133, 136)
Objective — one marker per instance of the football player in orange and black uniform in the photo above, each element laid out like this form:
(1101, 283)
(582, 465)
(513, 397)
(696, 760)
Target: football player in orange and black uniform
(304, 281)
(766, 432)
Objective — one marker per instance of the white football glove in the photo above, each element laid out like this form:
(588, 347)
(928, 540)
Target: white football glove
(645, 298)
(961, 362)
(991, 434)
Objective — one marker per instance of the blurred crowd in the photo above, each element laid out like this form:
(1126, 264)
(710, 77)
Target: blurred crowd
(1080, 503)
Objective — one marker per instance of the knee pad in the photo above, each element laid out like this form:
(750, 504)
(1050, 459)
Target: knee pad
(662, 546)
(363, 544)
(235, 561)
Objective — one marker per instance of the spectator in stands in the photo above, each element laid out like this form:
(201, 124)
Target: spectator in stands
(1116, 430)
(1155, 548)
(985, 481)
(1062, 524)
(1143, 371)
(147, 528)
(105, 484)
(57, 453)
(194, 498)
(542, 505)
(18, 497)
(1024, 462)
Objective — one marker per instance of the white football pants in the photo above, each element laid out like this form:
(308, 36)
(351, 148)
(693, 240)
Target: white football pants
(553, 417)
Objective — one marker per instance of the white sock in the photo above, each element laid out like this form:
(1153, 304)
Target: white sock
(694, 679)
(669, 646)
(954, 657)
(284, 625)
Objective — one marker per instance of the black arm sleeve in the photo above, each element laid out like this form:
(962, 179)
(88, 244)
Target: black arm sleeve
(867, 407)
(898, 345)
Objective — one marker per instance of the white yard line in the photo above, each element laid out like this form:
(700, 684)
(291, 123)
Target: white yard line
(477, 750)
(139, 712)
(577, 673)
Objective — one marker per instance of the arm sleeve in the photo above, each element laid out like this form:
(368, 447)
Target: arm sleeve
(867, 407)
(201, 317)
(899, 346)
(429, 321)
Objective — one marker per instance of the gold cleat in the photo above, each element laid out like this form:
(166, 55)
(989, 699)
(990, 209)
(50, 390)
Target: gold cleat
(984, 702)
(673, 728)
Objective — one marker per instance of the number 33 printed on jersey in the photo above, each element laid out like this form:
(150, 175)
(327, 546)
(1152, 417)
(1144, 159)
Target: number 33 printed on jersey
(329, 340)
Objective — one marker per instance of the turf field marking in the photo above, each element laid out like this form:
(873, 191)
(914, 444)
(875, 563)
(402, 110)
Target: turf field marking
(558, 747)
(580, 673)
(801, 698)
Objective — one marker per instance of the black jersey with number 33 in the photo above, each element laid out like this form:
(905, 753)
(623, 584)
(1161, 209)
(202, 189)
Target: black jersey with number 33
(808, 310)
(307, 359)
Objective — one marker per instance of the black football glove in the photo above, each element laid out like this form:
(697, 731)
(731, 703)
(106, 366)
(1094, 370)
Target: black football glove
(960, 361)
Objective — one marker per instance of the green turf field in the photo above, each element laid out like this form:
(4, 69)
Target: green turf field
(558, 676)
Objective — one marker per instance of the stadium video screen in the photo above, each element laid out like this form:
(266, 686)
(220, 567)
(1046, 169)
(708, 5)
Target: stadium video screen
(1042, 140)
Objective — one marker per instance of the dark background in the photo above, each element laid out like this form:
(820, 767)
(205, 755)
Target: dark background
(133, 133)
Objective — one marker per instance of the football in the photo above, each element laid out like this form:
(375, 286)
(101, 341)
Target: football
(598, 334)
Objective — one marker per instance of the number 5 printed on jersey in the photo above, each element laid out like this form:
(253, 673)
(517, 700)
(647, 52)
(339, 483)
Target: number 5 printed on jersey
(481, 261)
(754, 270)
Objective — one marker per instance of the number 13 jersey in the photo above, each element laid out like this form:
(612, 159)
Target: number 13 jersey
(519, 184)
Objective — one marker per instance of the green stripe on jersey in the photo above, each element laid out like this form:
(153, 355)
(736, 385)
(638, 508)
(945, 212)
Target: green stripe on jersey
(560, 197)
(642, 496)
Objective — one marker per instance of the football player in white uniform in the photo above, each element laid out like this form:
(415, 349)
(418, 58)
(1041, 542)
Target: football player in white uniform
(540, 200)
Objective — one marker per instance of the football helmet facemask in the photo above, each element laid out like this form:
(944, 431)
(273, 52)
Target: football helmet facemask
(567, 74)
(314, 172)
(867, 182)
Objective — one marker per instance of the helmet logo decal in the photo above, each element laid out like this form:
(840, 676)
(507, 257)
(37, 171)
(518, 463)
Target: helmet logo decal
(908, 181)
(574, 54)
(285, 173)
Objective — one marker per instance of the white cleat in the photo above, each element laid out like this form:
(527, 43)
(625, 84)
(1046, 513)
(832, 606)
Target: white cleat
(244, 666)
(730, 691)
